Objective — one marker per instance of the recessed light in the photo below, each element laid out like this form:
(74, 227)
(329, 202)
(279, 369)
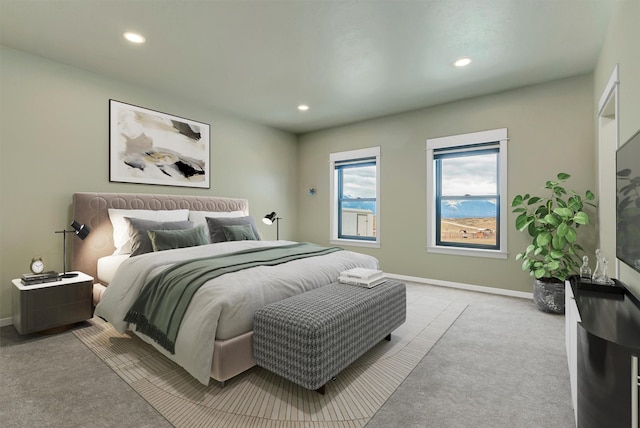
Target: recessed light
(303, 107)
(134, 37)
(462, 62)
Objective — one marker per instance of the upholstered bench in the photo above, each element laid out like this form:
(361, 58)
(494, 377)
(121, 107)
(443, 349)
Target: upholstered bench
(309, 338)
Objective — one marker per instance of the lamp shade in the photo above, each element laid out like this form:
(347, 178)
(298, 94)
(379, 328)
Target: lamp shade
(269, 218)
(82, 230)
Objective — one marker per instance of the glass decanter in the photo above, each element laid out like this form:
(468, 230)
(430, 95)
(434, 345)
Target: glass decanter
(585, 270)
(598, 274)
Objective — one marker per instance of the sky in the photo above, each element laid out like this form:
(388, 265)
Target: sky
(470, 175)
(360, 182)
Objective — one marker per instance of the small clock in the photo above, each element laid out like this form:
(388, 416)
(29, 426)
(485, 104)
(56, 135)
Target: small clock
(37, 265)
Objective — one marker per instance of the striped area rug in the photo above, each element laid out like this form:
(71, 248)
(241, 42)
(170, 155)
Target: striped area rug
(258, 398)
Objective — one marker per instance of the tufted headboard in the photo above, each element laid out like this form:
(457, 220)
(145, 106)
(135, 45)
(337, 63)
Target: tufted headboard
(92, 209)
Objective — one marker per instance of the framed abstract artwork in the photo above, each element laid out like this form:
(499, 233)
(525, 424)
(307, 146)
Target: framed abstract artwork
(150, 147)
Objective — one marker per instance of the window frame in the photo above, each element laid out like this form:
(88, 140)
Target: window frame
(496, 138)
(343, 160)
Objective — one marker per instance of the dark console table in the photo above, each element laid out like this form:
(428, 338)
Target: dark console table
(603, 343)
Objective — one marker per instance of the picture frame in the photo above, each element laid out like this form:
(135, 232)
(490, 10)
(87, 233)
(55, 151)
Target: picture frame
(151, 147)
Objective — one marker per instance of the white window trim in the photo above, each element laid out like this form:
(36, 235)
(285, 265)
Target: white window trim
(499, 135)
(333, 186)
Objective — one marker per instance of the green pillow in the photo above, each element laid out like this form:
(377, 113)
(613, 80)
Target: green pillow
(216, 233)
(170, 239)
(139, 228)
(239, 232)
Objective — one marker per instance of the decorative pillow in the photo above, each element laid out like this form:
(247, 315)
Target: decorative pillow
(240, 232)
(169, 239)
(199, 217)
(121, 238)
(216, 231)
(138, 228)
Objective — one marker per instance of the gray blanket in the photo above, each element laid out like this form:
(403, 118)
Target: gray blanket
(160, 307)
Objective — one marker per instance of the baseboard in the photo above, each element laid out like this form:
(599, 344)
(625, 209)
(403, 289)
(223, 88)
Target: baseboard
(470, 287)
(479, 288)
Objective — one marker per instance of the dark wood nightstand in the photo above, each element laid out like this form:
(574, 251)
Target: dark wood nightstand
(51, 304)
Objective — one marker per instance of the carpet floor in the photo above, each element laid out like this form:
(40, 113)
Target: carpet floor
(258, 398)
(502, 364)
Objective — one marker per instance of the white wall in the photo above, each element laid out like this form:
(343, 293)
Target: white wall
(550, 127)
(54, 141)
(621, 48)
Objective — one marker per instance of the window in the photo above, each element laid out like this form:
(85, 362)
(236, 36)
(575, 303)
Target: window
(355, 197)
(466, 194)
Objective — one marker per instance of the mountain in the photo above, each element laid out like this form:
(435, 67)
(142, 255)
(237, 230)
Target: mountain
(450, 209)
(360, 205)
(468, 209)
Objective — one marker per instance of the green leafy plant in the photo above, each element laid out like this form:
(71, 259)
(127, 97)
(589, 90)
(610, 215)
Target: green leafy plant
(552, 223)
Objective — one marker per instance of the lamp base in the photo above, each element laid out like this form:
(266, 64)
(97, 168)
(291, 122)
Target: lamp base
(68, 275)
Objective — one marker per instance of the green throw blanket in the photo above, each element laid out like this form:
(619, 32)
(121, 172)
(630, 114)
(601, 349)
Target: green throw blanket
(160, 307)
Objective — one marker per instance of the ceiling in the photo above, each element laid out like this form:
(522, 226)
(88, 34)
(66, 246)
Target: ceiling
(348, 60)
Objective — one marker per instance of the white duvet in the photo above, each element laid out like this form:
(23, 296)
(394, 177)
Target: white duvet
(223, 307)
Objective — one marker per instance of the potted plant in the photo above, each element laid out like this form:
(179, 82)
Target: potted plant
(553, 254)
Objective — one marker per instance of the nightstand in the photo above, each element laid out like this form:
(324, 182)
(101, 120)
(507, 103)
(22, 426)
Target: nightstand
(51, 304)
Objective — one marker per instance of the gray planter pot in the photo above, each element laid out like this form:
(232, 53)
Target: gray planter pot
(549, 296)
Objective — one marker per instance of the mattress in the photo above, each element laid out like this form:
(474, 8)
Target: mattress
(223, 307)
(107, 267)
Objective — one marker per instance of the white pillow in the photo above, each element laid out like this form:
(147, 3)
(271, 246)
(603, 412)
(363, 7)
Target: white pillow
(199, 217)
(121, 238)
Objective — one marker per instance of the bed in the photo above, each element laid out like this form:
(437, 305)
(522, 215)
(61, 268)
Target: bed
(215, 337)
